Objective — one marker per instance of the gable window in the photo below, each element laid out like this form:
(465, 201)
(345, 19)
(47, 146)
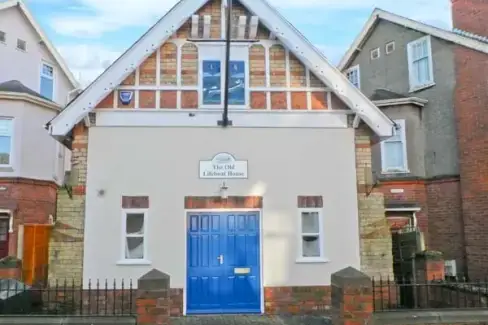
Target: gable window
(21, 45)
(212, 83)
(212, 80)
(134, 246)
(237, 88)
(3, 37)
(311, 234)
(6, 133)
(389, 47)
(47, 81)
(420, 68)
(394, 151)
(375, 53)
(353, 75)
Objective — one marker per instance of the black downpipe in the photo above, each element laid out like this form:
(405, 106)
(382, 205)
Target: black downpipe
(225, 115)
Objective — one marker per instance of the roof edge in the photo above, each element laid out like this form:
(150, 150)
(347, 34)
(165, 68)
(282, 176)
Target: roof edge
(8, 95)
(159, 33)
(412, 24)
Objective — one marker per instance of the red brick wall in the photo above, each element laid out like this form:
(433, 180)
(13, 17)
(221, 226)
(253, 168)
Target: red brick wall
(297, 300)
(445, 219)
(413, 191)
(277, 300)
(470, 100)
(470, 15)
(32, 201)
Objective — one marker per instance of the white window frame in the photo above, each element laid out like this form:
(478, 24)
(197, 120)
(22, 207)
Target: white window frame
(12, 132)
(386, 47)
(414, 86)
(53, 78)
(373, 51)
(358, 70)
(403, 137)
(307, 259)
(216, 52)
(134, 261)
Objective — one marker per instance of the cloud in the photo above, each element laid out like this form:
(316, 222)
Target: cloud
(88, 61)
(110, 15)
(95, 23)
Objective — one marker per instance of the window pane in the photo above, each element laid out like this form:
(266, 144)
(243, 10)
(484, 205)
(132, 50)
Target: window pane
(4, 225)
(47, 70)
(353, 77)
(237, 84)
(5, 127)
(134, 248)
(423, 71)
(4, 150)
(310, 223)
(135, 224)
(211, 83)
(310, 246)
(424, 48)
(47, 87)
(393, 155)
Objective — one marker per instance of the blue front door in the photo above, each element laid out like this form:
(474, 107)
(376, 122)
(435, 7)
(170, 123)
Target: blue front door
(223, 269)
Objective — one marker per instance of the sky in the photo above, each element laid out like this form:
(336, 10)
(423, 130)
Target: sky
(90, 34)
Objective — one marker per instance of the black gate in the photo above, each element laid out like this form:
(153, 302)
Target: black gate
(404, 247)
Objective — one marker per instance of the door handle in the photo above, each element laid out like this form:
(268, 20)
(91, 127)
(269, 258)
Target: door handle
(221, 258)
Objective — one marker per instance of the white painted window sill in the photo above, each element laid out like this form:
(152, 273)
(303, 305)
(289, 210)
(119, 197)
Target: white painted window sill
(395, 172)
(6, 168)
(134, 262)
(419, 88)
(311, 260)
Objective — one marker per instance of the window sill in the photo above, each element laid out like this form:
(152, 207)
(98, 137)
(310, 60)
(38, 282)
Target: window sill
(311, 260)
(395, 172)
(134, 262)
(422, 87)
(6, 168)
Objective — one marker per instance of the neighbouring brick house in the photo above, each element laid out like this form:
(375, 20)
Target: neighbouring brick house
(423, 77)
(470, 18)
(34, 86)
(246, 218)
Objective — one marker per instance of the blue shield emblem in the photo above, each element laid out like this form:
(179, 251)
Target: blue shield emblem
(125, 96)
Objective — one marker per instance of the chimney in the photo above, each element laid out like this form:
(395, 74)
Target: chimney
(470, 16)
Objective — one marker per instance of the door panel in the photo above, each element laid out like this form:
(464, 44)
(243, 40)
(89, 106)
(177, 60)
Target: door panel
(204, 272)
(4, 234)
(223, 267)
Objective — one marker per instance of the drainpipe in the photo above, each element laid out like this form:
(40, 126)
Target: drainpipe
(225, 115)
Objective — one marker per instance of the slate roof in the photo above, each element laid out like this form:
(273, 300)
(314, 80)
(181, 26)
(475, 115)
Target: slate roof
(15, 86)
(470, 35)
(382, 94)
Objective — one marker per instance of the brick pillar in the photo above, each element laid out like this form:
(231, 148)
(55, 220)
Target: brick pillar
(66, 242)
(374, 230)
(429, 266)
(153, 298)
(352, 297)
(11, 268)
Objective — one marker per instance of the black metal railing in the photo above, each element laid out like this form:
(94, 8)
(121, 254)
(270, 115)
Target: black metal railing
(96, 298)
(401, 294)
